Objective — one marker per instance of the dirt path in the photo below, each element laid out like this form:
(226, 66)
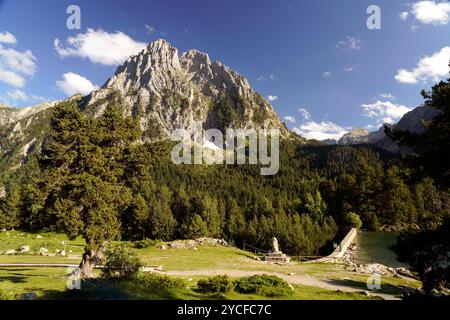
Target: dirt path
(305, 280)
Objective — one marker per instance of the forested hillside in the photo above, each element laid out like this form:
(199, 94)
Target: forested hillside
(317, 189)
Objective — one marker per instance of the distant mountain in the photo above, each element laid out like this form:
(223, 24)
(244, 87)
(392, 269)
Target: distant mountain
(22, 130)
(165, 90)
(411, 121)
(170, 92)
(354, 137)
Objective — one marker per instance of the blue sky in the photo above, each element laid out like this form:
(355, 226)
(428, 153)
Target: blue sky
(323, 69)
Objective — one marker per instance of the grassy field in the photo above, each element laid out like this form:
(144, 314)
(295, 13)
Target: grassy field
(50, 283)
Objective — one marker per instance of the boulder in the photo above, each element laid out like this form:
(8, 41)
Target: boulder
(24, 249)
(43, 251)
(8, 252)
(405, 272)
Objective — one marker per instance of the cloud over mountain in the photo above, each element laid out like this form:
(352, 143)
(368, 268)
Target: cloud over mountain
(74, 83)
(100, 47)
(434, 67)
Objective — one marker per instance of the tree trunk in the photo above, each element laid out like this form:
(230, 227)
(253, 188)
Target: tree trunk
(88, 261)
(87, 265)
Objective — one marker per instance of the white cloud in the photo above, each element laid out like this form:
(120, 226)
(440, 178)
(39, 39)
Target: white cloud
(149, 29)
(19, 62)
(350, 43)
(17, 95)
(388, 96)
(327, 74)
(262, 78)
(320, 130)
(433, 67)
(349, 68)
(39, 98)
(272, 98)
(15, 65)
(403, 15)
(100, 47)
(6, 37)
(385, 111)
(290, 119)
(305, 113)
(74, 83)
(11, 78)
(430, 12)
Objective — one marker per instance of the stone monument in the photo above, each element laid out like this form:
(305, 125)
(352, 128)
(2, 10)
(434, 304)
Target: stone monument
(276, 255)
(276, 248)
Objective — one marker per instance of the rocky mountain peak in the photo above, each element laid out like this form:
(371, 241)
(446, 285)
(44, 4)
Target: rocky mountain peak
(355, 136)
(171, 92)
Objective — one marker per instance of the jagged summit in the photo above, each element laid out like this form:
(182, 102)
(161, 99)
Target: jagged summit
(355, 136)
(169, 91)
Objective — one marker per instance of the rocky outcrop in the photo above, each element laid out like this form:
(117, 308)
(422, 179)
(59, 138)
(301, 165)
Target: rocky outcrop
(355, 136)
(165, 90)
(22, 131)
(170, 92)
(193, 244)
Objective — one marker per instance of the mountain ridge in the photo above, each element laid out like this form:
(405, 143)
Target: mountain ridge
(411, 121)
(165, 90)
(171, 92)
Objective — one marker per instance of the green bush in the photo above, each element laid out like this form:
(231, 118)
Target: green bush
(263, 285)
(216, 284)
(353, 220)
(154, 282)
(121, 263)
(146, 243)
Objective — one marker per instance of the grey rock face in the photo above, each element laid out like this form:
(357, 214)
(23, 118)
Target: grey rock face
(169, 92)
(165, 90)
(354, 137)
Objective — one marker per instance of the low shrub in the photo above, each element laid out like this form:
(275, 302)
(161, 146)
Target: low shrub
(154, 282)
(263, 285)
(216, 284)
(146, 243)
(121, 263)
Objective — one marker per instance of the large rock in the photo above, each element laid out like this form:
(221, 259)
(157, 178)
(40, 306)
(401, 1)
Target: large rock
(24, 249)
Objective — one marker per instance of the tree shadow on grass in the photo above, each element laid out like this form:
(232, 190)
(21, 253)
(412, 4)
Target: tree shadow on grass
(16, 275)
(14, 279)
(101, 289)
